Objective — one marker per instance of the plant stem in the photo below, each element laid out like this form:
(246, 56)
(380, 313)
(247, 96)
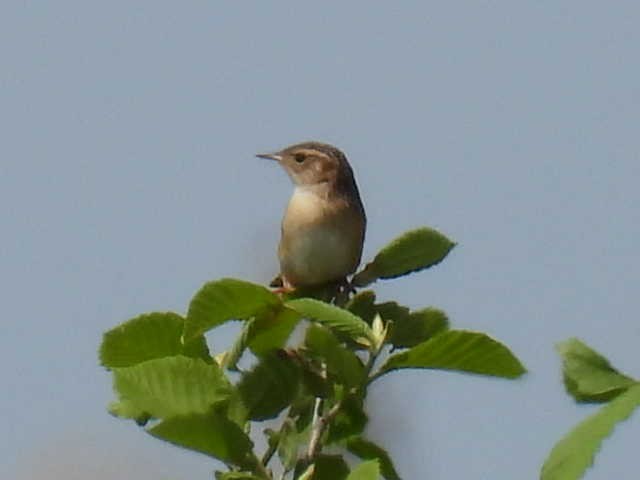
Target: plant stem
(376, 376)
(316, 422)
(261, 470)
(321, 422)
(319, 428)
(371, 361)
(266, 458)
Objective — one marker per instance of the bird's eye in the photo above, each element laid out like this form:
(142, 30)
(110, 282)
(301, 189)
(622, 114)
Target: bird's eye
(299, 157)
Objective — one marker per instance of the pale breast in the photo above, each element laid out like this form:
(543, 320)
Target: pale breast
(304, 207)
(321, 240)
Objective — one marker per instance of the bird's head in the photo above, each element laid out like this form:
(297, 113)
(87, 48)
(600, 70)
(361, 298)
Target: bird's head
(313, 163)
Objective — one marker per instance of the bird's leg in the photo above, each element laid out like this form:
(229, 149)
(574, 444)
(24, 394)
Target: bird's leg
(343, 290)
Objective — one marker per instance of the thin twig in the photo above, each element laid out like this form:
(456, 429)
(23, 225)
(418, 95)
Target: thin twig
(316, 421)
(317, 414)
(371, 361)
(319, 428)
(261, 470)
(266, 458)
(321, 422)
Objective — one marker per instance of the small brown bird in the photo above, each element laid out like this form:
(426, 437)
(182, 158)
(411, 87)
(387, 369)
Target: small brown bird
(324, 225)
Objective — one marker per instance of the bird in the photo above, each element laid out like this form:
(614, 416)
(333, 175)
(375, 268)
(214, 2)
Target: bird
(324, 224)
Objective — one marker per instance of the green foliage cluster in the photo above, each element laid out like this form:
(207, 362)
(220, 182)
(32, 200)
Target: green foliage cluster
(166, 379)
(589, 378)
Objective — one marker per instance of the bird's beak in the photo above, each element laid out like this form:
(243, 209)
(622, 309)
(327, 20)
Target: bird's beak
(270, 156)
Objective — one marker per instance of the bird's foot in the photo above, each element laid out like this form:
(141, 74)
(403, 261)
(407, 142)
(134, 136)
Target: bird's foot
(280, 286)
(283, 290)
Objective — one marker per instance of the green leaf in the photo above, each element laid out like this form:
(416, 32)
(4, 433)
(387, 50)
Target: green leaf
(417, 327)
(208, 433)
(325, 467)
(149, 336)
(314, 381)
(407, 328)
(270, 386)
(369, 470)
(367, 450)
(165, 387)
(271, 330)
(236, 476)
(229, 359)
(289, 444)
(306, 474)
(125, 409)
(263, 334)
(338, 319)
(391, 311)
(223, 300)
(301, 411)
(362, 305)
(572, 455)
(412, 251)
(330, 467)
(588, 376)
(235, 409)
(341, 363)
(460, 350)
(350, 420)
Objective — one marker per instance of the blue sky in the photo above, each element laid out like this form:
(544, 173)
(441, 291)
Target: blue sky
(127, 179)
